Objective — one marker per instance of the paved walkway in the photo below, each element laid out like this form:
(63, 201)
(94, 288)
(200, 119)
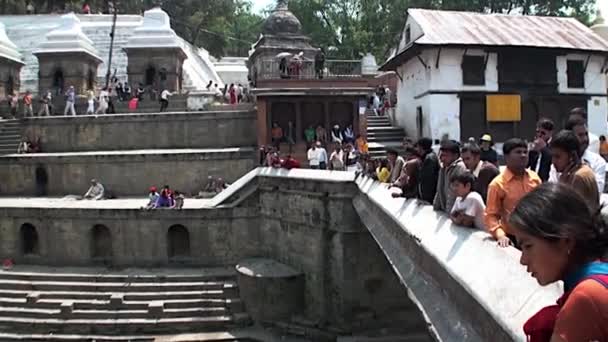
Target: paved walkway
(72, 203)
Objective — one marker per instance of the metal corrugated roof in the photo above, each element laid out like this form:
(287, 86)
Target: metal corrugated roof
(466, 28)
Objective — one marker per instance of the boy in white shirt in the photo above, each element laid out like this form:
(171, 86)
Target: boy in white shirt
(468, 210)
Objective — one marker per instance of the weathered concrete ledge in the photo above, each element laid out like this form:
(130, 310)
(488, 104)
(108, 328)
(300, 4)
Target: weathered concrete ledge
(470, 289)
(216, 129)
(124, 173)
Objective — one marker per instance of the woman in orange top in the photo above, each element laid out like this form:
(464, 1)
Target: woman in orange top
(563, 239)
(362, 146)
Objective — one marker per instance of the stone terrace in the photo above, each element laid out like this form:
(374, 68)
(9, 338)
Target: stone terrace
(129, 153)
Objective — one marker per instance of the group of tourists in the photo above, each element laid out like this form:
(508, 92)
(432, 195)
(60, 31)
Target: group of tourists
(546, 202)
(101, 102)
(166, 199)
(232, 94)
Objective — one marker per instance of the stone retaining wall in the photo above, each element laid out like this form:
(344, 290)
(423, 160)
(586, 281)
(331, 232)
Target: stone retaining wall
(124, 174)
(143, 131)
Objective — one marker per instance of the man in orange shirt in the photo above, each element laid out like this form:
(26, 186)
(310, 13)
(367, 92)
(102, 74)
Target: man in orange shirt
(508, 188)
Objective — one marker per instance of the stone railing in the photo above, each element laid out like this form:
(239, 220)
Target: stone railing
(305, 70)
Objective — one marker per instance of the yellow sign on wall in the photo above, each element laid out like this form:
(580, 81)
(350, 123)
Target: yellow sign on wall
(503, 108)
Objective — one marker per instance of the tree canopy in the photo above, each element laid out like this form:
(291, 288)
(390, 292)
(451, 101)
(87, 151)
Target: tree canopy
(346, 28)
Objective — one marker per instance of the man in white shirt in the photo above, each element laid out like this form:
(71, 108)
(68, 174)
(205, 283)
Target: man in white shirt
(468, 209)
(594, 140)
(164, 100)
(322, 156)
(95, 192)
(578, 125)
(313, 157)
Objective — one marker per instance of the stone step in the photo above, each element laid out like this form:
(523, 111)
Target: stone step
(10, 337)
(212, 274)
(384, 129)
(234, 305)
(111, 314)
(115, 326)
(112, 287)
(134, 296)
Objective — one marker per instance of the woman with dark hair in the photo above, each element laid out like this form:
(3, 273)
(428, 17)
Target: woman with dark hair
(565, 156)
(563, 239)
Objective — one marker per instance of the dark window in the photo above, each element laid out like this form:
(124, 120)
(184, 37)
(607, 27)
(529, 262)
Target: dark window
(178, 242)
(576, 74)
(408, 35)
(29, 239)
(473, 70)
(101, 243)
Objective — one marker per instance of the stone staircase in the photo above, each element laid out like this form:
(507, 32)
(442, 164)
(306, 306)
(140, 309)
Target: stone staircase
(117, 307)
(10, 136)
(381, 136)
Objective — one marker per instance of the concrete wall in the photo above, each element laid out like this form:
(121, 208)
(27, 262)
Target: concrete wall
(311, 226)
(143, 131)
(124, 173)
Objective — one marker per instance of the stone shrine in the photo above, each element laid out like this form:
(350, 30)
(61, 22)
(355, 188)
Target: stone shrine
(155, 55)
(10, 64)
(67, 58)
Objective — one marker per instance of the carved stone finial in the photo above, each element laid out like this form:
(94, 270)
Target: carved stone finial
(282, 5)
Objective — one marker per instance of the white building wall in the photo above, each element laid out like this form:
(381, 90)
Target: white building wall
(415, 80)
(445, 116)
(595, 83)
(441, 112)
(595, 80)
(448, 76)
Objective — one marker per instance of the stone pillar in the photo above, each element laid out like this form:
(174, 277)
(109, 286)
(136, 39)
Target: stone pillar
(298, 123)
(9, 76)
(262, 122)
(161, 68)
(59, 71)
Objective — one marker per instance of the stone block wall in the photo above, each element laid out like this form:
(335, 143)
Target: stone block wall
(77, 69)
(138, 238)
(124, 174)
(144, 131)
(311, 226)
(9, 70)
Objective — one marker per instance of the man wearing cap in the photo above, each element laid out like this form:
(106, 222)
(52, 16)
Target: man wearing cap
(95, 192)
(153, 197)
(487, 152)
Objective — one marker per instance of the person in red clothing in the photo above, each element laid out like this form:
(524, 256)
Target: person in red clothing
(563, 238)
(290, 163)
(86, 9)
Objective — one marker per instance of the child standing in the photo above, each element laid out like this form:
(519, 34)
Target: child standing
(468, 210)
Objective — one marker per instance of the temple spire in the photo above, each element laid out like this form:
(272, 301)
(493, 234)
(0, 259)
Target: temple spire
(282, 5)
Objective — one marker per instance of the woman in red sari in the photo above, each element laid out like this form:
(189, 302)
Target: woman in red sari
(232, 92)
(562, 238)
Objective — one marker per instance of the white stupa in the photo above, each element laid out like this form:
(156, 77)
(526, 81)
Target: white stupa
(68, 38)
(601, 28)
(8, 49)
(369, 66)
(154, 32)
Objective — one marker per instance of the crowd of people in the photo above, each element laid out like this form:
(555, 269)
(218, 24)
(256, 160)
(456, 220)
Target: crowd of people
(232, 94)
(101, 101)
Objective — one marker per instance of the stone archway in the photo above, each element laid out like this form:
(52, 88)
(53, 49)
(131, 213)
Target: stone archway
(178, 242)
(58, 81)
(29, 240)
(42, 181)
(101, 243)
(10, 84)
(150, 76)
(91, 80)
